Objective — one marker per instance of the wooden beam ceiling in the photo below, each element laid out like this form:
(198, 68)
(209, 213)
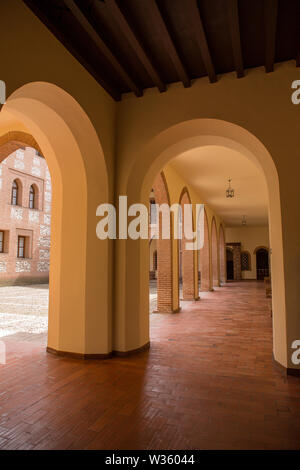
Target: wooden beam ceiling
(103, 49)
(165, 37)
(135, 43)
(59, 34)
(234, 26)
(270, 16)
(199, 33)
(132, 45)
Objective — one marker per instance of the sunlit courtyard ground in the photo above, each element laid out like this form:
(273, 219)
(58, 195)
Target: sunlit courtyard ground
(24, 310)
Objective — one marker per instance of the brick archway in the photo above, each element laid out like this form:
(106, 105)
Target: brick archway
(168, 143)
(222, 254)
(13, 140)
(62, 132)
(214, 254)
(165, 302)
(187, 256)
(205, 278)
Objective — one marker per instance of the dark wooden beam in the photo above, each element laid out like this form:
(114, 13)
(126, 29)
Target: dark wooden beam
(165, 38)
(135, 43)
(104, 50)
(43, 17)
(191, 7)
(270, 14)
(234, 26)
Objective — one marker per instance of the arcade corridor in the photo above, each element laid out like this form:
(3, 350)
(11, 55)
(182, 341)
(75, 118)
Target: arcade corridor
(207, 382)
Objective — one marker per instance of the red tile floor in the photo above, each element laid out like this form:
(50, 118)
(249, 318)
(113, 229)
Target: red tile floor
(208, 382)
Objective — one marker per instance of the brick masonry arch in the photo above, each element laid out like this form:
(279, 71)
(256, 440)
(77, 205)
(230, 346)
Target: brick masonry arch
(222, 254)
(214, 254)
(186, 257)
(13, 140)
(205, 277)
(165, 296)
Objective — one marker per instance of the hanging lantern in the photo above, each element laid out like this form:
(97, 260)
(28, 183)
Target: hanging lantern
(229, 190)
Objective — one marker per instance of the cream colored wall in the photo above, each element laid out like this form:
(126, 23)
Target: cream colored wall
(152, 129)
(78, 142)
(138, 138)
(250, 238)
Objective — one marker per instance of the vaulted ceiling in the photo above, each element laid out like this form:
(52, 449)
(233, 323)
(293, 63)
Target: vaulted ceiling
(207, 169)
(132, 45)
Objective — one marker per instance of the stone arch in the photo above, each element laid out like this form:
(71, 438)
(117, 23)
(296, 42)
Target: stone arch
(44, 116)
(159, 150)
(222, 254)
(214, 253)
(13, 140)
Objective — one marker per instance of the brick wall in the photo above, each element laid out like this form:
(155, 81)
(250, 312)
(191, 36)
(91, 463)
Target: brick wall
(236, 249)
(27, 168)
(205, 281)
(222, 255)
(187, 256)
(164, 252)
(214, 254)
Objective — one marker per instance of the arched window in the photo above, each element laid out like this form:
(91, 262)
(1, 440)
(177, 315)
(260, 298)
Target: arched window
(31, 197)
(15, 193)
(245, 261)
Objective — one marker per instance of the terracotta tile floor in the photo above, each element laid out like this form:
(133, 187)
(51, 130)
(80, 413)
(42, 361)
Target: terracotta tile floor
(207, 382)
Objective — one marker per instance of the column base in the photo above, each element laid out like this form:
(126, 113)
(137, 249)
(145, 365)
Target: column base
(82, 356)
(168, 312)
(286, 371)
(192, 299)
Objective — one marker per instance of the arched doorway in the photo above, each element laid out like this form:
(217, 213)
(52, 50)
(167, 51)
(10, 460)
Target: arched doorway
(171, 142)
(229, 264)
(51, 121)
(262, 263)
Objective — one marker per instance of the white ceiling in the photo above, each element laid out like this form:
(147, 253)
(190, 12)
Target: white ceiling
(208, 169)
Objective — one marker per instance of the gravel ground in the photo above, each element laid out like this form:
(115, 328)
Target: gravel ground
(24, 309)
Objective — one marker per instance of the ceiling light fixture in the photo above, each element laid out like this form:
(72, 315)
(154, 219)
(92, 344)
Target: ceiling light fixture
(229, 190)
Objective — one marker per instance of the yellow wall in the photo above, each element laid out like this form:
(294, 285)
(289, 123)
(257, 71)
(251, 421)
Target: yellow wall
(153, 129)
(138, 137)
